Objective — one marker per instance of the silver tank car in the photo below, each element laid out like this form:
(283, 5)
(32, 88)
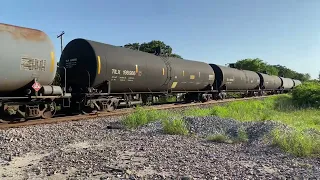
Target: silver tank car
(269, 82)
(94, 64)
(287, 83)
(296, 82)
(25, 54)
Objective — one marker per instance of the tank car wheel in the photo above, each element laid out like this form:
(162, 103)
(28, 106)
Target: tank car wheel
(49, 111)
(87, 110)
(110, 107)
(111, 104)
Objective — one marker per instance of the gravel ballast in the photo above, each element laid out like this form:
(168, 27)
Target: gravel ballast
(92, 150)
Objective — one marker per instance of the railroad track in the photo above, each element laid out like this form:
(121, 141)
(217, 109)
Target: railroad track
(7, 125)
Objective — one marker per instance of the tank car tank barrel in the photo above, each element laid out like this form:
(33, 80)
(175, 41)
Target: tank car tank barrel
(32, 57)
(129, 70)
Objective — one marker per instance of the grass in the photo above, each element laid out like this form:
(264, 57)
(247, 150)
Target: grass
(143, 116)
(300, 111)
(296, 142)
(222, 138)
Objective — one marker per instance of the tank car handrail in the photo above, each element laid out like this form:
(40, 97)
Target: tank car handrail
(89, 78)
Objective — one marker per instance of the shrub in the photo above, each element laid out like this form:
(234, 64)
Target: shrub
(307, 94)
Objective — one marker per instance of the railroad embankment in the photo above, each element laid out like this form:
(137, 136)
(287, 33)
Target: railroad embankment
(291, 121)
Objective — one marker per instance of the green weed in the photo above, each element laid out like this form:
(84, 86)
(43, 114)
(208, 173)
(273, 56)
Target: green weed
(220, 138)
(175, 126)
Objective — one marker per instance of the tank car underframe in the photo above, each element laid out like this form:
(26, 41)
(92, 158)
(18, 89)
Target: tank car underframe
(244, 92)
(17, 108)
(95, 101)
(91, 102)
(41, 104)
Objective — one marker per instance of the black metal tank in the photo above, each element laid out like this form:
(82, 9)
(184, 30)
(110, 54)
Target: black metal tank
(94, 64)
(253, 79)
(229, 78)
(189, 75)
(269, 82)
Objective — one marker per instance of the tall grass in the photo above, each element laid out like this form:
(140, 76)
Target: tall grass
(296, 142)
(175, 126)
(172, 123)
(143, 116)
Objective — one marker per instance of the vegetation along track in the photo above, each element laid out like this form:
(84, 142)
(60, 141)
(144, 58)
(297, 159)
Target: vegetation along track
(6, 125)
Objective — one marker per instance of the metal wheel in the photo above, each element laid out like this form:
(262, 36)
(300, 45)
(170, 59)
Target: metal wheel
(110, 106)
(87, 110)
(49, 111)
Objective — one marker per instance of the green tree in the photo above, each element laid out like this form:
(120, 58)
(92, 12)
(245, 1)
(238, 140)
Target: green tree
(134, 46)
(251, 64)
(150, 47)
(258, 65)
(176, 56)
(285, 72)
(272, 70)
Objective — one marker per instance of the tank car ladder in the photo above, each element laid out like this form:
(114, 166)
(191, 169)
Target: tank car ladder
(165, 59)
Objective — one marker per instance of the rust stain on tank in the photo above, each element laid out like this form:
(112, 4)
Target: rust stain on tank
(18, 32)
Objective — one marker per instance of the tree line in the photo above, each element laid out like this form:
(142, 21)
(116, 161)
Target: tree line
(256, 64)
(259, 65)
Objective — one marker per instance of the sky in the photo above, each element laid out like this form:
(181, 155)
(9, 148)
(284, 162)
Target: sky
(285, 32)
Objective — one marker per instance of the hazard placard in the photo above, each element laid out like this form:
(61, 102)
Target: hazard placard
(36, 86)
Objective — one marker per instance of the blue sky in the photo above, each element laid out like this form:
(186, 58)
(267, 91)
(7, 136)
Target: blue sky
(282, 32)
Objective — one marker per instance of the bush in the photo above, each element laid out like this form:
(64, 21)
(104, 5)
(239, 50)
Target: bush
(307, 95)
